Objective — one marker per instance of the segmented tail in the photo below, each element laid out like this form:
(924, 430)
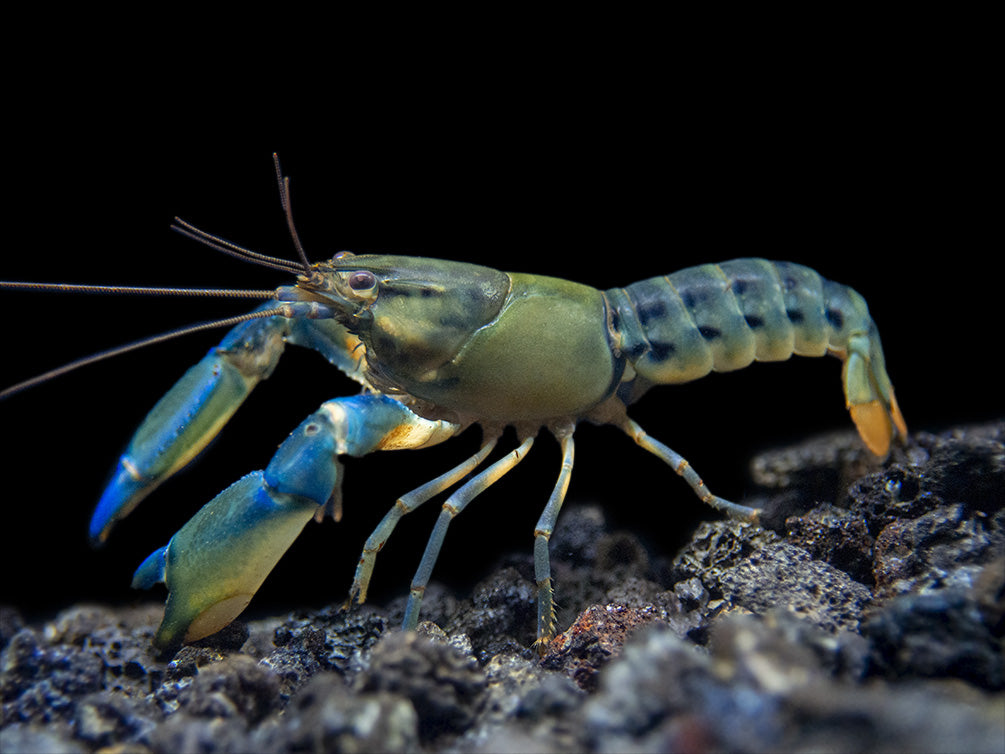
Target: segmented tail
(720, 317)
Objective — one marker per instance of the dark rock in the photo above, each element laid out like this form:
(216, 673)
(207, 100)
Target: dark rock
(758, 691)
(621, 571)
(936, 634)
(881, 718)
(748, 642)
(967, 465)
(989, 592)
(692, 593)
(103, 719)
(235, 686)
(188, 734)
(332, 639)
(523, 701)
(944, 546)
(36, 739)
(898, 492)
(40, 682)
(325, 716)
(501, 616)
(594, 639)
(783, 575)
(443, 685)
(652, 681)
(793, 647)
(717, 546)
(835, 536)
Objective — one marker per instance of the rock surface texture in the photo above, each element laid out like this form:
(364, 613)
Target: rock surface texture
(868, 614)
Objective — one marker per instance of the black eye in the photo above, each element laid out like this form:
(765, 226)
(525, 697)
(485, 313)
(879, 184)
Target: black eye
(362, 280)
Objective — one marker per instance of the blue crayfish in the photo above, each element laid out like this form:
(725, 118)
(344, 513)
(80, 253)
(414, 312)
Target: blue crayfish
(438, 346)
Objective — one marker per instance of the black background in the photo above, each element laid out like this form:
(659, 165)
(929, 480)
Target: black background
(872, 175)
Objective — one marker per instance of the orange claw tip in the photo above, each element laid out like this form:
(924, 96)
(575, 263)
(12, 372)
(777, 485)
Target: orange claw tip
(898, 418)
(874, 425)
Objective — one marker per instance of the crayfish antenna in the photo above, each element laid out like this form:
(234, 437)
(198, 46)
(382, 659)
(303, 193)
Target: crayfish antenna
(284, 198)
(118, 350)
(232, 249)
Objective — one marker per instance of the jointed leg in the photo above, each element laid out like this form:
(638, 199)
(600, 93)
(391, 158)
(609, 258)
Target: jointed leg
(406, 504)
(454, 505)
(542, 533)
(685, 470)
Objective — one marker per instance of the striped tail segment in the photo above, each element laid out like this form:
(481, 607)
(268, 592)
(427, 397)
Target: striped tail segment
(721, 317)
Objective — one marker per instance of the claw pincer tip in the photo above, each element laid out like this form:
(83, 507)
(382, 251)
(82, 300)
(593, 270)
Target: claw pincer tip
(123, 493)
(217, 561)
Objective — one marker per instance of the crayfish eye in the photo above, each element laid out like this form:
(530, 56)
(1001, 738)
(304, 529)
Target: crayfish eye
(362, 281)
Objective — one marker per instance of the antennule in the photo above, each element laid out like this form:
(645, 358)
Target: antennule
(284, 198)
(233, 249)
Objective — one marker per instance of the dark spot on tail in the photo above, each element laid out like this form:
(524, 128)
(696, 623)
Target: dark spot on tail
(637, 350)
(650, 310)
(662, 351)
(753, 321)
(795, 316)
(709, 333)
(835, 318)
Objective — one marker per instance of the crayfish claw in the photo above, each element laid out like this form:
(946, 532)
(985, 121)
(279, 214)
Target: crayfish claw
(217, 561)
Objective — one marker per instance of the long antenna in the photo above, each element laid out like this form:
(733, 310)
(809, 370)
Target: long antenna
(131, 290)
(207, 239)
(233, 249)
(154, 339)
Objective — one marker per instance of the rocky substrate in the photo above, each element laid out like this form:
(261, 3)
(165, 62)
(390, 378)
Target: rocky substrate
(868, 614)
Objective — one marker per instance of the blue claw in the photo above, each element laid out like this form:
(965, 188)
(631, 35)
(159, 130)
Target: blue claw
(189, 416)
(203, 400)
(121, 496)
(217, 561)
(152, 570)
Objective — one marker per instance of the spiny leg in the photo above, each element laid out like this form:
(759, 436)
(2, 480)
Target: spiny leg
(454, 505)
(687, 472)
(406, 504)
(542, 533)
